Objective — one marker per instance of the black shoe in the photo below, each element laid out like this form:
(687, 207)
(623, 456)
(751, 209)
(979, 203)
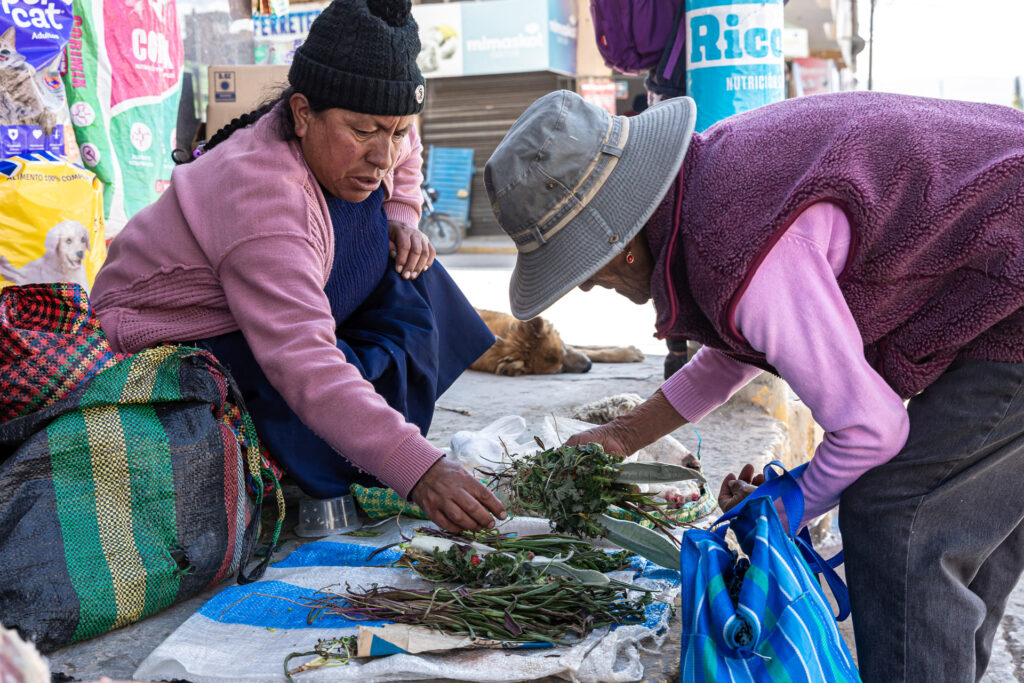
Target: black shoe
(674, 361)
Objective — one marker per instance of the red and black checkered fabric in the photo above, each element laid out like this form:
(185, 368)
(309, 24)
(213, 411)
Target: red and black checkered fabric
(50, 342)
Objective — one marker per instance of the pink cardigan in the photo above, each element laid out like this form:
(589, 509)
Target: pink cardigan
(242, 240)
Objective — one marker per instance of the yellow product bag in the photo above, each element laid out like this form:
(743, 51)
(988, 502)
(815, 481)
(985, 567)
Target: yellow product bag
(51, 221)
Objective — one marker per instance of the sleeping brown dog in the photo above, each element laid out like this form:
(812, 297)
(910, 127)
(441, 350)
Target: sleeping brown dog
(534, 347)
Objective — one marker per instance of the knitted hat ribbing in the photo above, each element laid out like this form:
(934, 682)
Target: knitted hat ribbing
(361, 55)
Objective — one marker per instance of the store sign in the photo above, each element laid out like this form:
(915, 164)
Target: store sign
(501, 36)
(440, 39)
(794, 42)
(600, 92)
(275, 37)
(813, 76)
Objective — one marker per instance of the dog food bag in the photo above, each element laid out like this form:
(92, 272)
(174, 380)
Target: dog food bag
(51, 221)
(123, 82)
(33, 107)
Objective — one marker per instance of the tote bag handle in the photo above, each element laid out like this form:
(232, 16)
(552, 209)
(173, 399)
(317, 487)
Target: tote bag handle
(781, 484)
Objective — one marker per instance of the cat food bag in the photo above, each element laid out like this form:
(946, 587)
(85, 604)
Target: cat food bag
(51, 221)
(123, 82)
(33, 107)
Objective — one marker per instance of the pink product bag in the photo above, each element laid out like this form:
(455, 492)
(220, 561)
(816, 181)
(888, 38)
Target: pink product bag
(631, 34)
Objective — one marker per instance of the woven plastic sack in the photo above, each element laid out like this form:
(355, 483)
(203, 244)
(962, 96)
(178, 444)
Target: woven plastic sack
(50, 343)
(762, 617)
(126, 497)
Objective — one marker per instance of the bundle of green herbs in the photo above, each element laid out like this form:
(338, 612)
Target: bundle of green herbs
(548, 611)
(455, 559)
(574, 487)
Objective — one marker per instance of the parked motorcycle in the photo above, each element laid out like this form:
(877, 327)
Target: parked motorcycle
(442, 231)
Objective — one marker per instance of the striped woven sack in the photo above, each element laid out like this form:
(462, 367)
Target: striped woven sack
(50, 342)
(762, 617)
(129, 495)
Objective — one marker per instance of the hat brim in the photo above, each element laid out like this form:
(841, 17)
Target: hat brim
(654, 152)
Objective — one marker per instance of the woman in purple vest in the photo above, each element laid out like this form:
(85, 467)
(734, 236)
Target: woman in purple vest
(868, 248)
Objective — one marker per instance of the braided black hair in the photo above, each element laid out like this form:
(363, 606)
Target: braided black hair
(285, 122)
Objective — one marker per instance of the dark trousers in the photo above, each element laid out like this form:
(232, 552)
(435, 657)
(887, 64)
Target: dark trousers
(933, 540)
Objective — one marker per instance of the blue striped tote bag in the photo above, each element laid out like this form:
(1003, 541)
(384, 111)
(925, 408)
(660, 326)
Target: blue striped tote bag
(761, 615)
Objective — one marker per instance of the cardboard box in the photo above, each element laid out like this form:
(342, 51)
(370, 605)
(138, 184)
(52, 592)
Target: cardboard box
(237, 89)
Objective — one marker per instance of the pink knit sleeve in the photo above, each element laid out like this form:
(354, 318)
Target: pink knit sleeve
(794, 312)
(274, 293)
(706, 382)
(404, 203)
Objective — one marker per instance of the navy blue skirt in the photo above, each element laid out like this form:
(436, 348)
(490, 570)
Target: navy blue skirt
(410, 338)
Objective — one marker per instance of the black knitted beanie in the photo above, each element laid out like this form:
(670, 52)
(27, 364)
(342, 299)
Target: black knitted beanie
(361, 55)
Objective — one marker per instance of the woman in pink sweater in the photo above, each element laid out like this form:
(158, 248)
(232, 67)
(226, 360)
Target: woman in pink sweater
(272, 251)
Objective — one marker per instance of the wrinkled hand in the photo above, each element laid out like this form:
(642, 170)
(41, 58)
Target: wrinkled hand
(611, 436)
(735, 489)
(412, 251)
(454, 500)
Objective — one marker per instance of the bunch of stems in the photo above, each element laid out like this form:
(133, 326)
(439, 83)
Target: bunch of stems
(548, 611)
(326, 652)
(573, 551)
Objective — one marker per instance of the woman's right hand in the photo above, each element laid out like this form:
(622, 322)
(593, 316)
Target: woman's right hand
(454, 500)
(611, 437)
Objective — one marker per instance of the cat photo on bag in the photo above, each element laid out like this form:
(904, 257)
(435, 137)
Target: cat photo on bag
(21, 102)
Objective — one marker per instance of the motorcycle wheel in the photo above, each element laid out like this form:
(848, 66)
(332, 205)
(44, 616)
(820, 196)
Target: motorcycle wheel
(445, 235)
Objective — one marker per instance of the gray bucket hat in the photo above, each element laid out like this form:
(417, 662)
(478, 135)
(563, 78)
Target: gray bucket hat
(572, 185)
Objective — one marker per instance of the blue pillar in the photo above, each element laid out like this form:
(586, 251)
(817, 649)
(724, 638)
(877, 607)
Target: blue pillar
(734, 56)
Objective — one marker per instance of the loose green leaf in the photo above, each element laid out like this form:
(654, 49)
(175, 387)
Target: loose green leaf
(655, 473)
(642, 541)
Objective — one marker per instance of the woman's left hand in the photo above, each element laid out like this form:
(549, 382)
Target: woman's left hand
(735, 489)
(412, 251)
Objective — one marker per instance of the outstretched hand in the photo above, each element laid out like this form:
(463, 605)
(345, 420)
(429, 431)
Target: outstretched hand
(454, 500)
(735, 489)
(611, 437)
(412, 251)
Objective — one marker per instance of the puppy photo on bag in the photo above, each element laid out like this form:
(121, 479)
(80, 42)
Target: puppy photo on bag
(66, 246)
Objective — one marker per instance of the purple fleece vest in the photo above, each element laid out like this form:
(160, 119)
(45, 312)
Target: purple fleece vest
(933, 190)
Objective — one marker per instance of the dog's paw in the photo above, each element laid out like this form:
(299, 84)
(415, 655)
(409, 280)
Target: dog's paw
(510, 367)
